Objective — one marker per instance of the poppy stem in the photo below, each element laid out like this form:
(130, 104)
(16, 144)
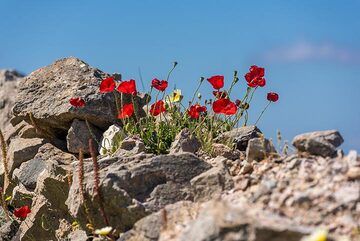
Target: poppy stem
(261, 114)
(197, 89)
(235, 80)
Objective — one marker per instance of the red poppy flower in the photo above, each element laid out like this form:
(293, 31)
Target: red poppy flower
(159, 84)
(255, 76)
(107, 85)
(195, 110)
(220, 94)
(126, 111)
(224, 106)
(272, 96)
(77, 102)
(217, 81)
(22, 212)
(157, 108)
(127, 87)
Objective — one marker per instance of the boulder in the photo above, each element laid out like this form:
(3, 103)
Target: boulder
(46, 92)
(9, 80)
(28, 172)
(258, 149)
(240, 136)
(321, 143)
(79, 134)
(212, 183)
(22, 150)
(130, 146)
(225, 151)
(185, 142)
(132, 187)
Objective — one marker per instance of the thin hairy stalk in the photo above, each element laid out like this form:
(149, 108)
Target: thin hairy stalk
(4, 159)
(262, 112)
(97, 189)
(197, 89)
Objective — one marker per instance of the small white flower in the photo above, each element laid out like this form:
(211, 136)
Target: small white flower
(103, 231)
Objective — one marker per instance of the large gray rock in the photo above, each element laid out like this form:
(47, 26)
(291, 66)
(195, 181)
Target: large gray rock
(8, 230)
(79, 134)
(240, 136)
(22, 150)
(28, 172)
(46, 92)
(322, 143)
(185, 142)
(258, 149)
(134, 186)
(212, 183)
(9, 80)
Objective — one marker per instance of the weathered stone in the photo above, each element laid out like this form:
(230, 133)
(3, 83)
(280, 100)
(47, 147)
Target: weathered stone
(322, 143)
(225, 151)
(9, 80)
(111, 139)
(79, 134)
(21, 197)
(45, 93)
(129, 185)
(78, 235)
(258, 149)
(22, 150)
(211, 184)
(185, 142)
(28, 172)
(8, 230)
(130, 146)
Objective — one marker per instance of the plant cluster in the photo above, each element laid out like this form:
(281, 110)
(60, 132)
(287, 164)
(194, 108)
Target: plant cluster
(168, 115)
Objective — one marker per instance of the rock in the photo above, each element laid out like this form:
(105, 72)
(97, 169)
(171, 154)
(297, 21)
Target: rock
(185, 142)
(134, 186)
(77, 235)
(211, 184)
(150, 227)
(353, 173)
(225, 151)
(79, 134)
(130, 146)
(22, 150)
(258, 149)
(322, 143)
(46, 92)
(9, 80)
(240, 136)
(8, 230)
(246, 168)
(214, 220)
(21, 197)
(28, 172)
(111, 139)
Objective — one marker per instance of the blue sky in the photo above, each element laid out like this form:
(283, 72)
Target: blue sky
(310, 49)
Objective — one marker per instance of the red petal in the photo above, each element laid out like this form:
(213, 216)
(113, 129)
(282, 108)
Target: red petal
(159, 85)
(157, 108)
(272, 96)
(107, 85)
(22, 212)
(224, 106)
(126, 111)
(217, 81)
(77, 102)
(127, 87)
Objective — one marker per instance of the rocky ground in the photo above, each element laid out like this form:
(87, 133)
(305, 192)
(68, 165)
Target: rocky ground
(249, 192)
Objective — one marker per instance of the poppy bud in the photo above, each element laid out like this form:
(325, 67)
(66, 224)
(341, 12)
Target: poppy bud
(175, 63)
(245, 106)
(237, 102)
(236, 79)
(199, 96)
(202, 79)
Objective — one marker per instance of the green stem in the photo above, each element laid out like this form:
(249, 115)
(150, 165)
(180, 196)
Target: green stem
(262, 112)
